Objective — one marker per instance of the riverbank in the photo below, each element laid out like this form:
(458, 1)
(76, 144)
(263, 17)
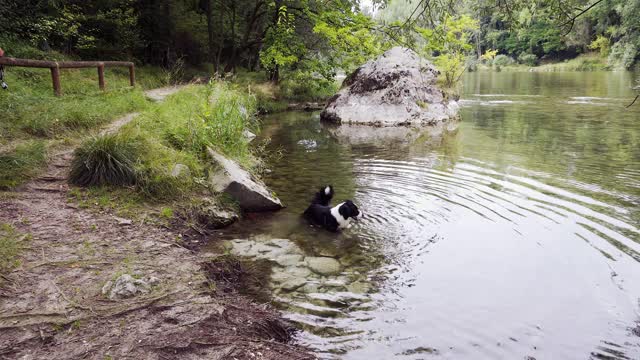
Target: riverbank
(89, 284)
(109, 271)
(584, 62)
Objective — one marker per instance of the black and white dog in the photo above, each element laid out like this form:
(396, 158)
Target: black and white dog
(320, 213)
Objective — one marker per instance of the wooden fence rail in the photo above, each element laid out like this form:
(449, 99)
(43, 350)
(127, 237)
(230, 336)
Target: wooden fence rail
(55, 67)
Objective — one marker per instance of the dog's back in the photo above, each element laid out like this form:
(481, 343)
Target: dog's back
(319, 212)
(323, 196)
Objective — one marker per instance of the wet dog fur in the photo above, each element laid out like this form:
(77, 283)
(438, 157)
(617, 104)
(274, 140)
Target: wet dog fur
(320, 212)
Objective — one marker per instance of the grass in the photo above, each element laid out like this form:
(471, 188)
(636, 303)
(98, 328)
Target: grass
(34, 120)
(11, 244)
(213, 115)
(585, 62)
(177, 131)
(102, 160)
(21, 163)
(296, 87)
(29, 108)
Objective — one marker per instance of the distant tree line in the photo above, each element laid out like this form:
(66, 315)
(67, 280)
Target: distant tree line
(275, 35)
(311, 39)
(534, 30)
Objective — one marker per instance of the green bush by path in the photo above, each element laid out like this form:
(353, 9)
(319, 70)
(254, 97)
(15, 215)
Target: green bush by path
(108, 159)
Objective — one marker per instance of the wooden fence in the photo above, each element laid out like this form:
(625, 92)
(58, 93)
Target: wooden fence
(55, 67)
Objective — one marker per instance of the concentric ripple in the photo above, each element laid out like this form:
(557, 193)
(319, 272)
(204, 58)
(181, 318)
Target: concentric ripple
(517, 236)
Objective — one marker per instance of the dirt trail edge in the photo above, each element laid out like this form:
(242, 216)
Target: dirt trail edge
(53, 305)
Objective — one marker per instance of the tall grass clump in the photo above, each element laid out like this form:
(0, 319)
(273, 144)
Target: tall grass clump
(21, 163)
(144, 153)
(215, 115)
(10, 247)
(133, 161)
(226, 115)
(105, 160)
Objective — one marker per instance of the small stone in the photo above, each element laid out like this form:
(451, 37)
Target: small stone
(358, 287)
(323, 265)
(248, 135)
(293, 284)
(122, 221)
(125, 287)
(153, 281)
(287, 274)
(288, 260)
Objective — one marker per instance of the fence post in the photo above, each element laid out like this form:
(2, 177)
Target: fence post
(132, 75)
(55, 77)
(101, 76)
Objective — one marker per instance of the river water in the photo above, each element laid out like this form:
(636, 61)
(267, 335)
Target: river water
(515, 235)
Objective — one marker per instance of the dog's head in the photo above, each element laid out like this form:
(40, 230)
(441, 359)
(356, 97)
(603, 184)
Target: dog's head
(349, 210)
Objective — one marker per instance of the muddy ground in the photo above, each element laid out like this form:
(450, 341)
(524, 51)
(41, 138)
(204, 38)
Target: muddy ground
(52, 306)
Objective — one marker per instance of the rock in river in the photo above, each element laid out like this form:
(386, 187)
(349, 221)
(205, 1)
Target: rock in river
(323, 265)
(251, 194)
(399, 88)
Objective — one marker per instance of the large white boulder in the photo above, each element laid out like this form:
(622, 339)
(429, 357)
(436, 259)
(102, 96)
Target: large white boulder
(397, 89)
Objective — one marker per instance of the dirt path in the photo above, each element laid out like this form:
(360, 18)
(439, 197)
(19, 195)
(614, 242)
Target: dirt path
(52, 306)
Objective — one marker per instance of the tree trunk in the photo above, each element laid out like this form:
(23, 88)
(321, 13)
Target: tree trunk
(211, 43)
(231, 66)
(221, 43)
(274, 75)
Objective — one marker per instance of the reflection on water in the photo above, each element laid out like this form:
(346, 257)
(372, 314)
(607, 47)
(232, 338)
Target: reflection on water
(516, 235)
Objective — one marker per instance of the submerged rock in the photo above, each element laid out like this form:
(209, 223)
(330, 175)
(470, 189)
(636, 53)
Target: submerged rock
(251, 194)
(293, 284)
(399, 88)
(323, 265)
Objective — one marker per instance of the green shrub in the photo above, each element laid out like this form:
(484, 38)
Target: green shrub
(306, 86)
(602, 44)
(22, 163)
(528, 59)
(623, 55)
(131, 160)
(503, 60)
(105, 160)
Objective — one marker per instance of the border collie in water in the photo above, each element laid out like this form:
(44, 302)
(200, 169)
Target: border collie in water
(320, 213)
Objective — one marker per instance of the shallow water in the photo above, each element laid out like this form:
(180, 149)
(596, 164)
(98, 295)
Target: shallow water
(515, 235)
